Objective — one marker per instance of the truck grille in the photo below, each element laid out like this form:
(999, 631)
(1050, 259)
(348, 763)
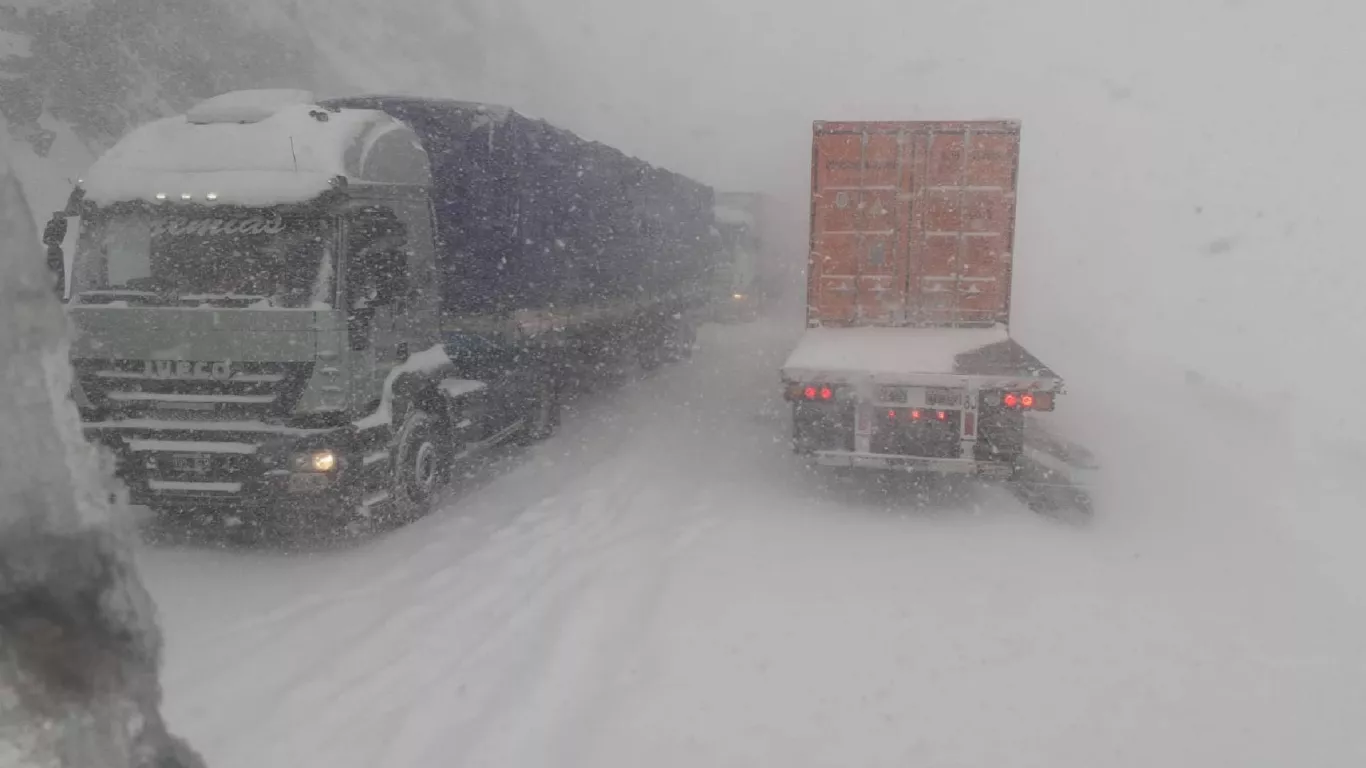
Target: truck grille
(133, 389)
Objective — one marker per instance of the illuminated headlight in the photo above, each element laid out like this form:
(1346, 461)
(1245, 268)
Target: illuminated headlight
(317, 461)
(738, 296)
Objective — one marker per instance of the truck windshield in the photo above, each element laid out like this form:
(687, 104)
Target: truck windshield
(246, 259)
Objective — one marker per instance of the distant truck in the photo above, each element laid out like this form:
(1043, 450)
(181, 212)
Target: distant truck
(739, 221)
(311, 310)
(907, 362)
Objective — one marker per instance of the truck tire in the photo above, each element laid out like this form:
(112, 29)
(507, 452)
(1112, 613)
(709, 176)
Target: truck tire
(420, 465)
(543, 418)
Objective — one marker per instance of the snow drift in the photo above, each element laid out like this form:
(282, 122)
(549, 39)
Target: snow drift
(80, 649)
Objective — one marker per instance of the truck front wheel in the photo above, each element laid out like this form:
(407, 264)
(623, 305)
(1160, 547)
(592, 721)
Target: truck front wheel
(420, 464)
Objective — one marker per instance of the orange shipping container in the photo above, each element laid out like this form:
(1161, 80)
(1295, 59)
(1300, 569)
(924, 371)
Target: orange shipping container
(912, 223)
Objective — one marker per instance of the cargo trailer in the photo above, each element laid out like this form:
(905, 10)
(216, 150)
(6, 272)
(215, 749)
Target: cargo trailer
(907, 361)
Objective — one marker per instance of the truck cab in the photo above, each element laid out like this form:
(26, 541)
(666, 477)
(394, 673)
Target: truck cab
(314, 310)
(250, 282)
(737, 297)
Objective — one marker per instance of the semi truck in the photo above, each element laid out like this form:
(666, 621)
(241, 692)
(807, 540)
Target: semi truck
(739, 217)
(907, 362)
(311, 310)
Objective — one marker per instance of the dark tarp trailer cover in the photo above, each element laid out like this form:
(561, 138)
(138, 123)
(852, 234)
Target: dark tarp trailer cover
(532, 216)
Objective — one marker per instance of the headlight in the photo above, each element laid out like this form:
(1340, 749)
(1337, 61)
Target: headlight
(738, 296)
(317, 461)
(324, 461)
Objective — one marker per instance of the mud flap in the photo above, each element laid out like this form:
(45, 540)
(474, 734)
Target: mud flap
(1054, 476)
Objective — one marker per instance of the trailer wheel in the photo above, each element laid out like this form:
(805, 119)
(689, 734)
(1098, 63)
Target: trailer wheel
(420, 465)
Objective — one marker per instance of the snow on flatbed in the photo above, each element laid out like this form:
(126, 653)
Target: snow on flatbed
(663, 585)
(825, 352)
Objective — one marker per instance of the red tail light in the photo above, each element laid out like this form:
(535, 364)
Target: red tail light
(942, 416)
(1036, 401)
(915, 414)
(811, 392)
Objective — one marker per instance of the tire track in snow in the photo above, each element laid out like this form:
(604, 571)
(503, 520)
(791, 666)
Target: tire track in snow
(558, 584)
(553, 607)
(461, 624)
(480, 622)
(585, 653)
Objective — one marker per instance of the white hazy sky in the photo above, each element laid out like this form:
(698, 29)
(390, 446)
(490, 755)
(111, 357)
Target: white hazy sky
(1187, 191)
(1188, 164)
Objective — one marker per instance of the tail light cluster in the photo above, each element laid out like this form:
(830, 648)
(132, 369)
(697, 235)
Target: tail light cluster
(812, 393)
(1027, 401)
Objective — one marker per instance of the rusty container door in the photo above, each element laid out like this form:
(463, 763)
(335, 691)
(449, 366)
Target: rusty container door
(912, 223)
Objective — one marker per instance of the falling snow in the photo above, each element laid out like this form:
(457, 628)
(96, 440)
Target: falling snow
(661, 581)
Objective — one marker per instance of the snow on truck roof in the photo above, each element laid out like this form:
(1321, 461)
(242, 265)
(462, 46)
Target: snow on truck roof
(256, 148)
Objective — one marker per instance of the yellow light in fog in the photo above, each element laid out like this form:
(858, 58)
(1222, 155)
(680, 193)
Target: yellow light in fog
(324, 461)
(738, 296)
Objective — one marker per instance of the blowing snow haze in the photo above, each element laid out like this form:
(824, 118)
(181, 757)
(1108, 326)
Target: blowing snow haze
(1186, 256)
(1180, 177)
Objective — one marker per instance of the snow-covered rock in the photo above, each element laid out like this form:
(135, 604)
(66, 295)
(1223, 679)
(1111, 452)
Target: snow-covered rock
(80, 649)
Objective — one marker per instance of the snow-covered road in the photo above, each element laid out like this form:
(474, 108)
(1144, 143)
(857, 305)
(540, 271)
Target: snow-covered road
(661, 585)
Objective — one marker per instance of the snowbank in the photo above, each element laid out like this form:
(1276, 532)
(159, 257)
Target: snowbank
(79, 674)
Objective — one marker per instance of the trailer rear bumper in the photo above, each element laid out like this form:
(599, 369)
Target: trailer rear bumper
(895, 462)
